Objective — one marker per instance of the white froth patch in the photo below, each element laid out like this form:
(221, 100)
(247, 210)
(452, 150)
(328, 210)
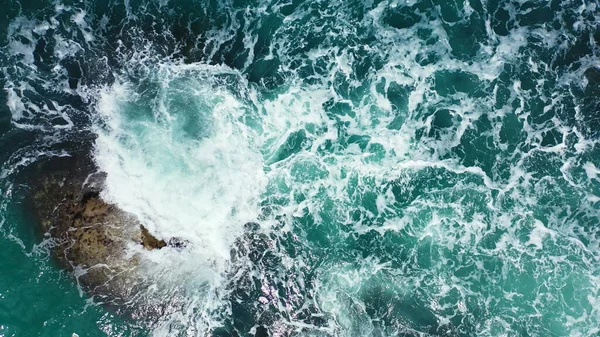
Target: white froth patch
(23, 28)
(538, 234)
(199, 189)
(79, 19)
(591, 171)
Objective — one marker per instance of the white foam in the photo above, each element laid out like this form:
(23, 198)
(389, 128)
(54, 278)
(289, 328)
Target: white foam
(199, 189)
(591, 171)
(538, 234)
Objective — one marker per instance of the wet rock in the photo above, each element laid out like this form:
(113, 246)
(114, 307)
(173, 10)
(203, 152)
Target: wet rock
(89, 236)
(177, 243)
(149, 241)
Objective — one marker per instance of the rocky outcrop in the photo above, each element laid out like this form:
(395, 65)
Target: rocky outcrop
(149, 241)
(89, 236)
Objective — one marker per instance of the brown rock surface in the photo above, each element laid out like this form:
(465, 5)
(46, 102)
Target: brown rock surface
(89, 236)
(149, 241)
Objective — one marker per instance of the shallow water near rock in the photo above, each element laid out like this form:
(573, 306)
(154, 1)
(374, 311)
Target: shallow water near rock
(314, 168)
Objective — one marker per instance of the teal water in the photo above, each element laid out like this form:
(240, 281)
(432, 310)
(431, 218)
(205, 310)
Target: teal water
(412, 168)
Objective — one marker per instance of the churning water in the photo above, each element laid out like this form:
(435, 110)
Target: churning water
(337, 168)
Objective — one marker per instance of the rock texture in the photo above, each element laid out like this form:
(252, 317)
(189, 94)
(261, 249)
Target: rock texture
(149, 241)
(89, 236)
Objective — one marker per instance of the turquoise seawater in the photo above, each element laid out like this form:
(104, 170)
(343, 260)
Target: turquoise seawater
(349, 168)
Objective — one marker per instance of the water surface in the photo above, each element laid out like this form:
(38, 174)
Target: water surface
(411, 168)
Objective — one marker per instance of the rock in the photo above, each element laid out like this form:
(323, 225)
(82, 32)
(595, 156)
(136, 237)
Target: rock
(149, 241)
(177, 243)
(90, 236)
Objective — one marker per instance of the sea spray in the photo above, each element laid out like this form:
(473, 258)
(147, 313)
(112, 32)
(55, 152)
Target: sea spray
(182, 160)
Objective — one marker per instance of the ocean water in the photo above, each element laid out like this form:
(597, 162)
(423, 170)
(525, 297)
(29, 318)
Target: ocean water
(337, 168)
